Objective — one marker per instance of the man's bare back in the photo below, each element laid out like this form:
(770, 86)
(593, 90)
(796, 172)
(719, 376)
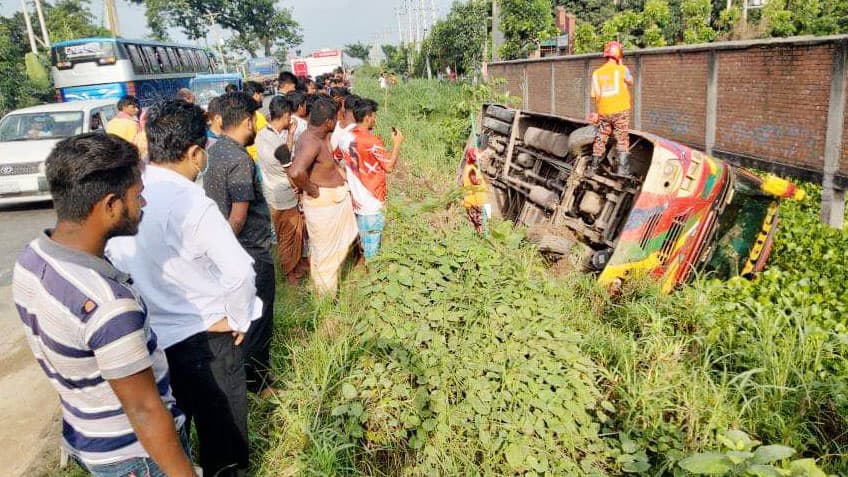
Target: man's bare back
(313, 165)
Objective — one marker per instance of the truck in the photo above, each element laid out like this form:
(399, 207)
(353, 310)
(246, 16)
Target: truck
(676, 214)
(319, 63)
(206, 87)
(265, 71)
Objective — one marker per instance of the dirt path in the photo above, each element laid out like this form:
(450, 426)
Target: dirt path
(29, 407)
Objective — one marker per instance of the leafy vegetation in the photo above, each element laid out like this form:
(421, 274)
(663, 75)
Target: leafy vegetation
(457, 355)
(257, 25)
(360, 51)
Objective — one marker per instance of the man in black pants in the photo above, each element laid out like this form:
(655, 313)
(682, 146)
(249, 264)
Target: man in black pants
(232, 182)
(198, 285)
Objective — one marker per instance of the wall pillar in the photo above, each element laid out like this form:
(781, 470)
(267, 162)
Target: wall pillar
(637, 93)
(833, 199)
(587, 100)
(553, 88)
(712, 102)
(525, 89)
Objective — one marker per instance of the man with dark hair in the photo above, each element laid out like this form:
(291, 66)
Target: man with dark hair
(372, 163)
(186, 95)
(255, 90)
(198, 284)
(85, 325)
(233, 184)
(298, 107)
(125, 123)
(327, 206)
(287, 82)
(282, 198)
(214, 121)
(230, 88)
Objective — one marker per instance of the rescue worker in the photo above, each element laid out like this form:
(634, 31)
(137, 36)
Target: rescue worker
(610, 92)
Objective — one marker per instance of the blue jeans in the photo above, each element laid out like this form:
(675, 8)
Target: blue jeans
(370, 233)
(136, 467)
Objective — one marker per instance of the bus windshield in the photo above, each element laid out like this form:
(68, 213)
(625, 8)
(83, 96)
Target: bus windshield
(103, 52)
(53, 125)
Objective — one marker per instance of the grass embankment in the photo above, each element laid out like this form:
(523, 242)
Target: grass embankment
(457, 355)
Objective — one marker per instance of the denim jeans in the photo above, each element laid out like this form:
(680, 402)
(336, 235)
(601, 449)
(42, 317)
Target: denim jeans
(136, 467)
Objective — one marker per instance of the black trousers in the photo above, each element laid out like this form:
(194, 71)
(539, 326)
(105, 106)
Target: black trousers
(208, 382)
(257, 341)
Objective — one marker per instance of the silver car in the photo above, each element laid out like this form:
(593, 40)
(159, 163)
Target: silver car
(28, 135)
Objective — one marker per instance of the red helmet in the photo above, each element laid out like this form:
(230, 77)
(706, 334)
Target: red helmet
(614, 50)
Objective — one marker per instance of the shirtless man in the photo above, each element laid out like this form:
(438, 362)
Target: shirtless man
(327, 205)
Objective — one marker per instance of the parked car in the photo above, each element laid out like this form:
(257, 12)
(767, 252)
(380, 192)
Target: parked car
(676, 213)
(28, 135)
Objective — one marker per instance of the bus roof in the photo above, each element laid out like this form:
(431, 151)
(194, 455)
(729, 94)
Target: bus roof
(80, 41)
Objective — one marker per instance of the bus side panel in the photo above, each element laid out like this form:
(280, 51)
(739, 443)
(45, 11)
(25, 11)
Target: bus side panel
(153, 90)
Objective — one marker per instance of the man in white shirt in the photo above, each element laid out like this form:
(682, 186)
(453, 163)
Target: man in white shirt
(279, 193)
(198, 283)
(298, 108)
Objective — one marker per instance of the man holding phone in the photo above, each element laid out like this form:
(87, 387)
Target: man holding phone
(372, 162)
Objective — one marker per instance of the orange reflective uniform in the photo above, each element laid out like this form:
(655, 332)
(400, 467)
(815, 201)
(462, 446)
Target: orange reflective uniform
(609, 89)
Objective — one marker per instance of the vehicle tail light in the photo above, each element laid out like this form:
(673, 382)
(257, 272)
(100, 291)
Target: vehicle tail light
(130, 88)
(108, 60)
(59, 97)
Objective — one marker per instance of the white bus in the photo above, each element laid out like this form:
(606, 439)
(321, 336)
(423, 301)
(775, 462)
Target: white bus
(110, 68)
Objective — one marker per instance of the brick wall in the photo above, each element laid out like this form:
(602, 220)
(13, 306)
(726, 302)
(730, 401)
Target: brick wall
(571, 88)
(772, 96)
(539, 83)
(674, 89)
(772, 102)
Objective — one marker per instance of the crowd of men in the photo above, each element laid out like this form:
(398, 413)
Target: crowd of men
(150, 304)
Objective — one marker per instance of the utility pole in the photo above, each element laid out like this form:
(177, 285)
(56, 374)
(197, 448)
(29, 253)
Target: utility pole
(112, 13)
(400, 27)
(433, 14)
(41, 23)
(218, 41)
(408, 5)
(30, 33)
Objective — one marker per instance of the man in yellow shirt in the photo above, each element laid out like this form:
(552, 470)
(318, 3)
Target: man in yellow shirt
(125, 123)
(610, 91)
(256, 91)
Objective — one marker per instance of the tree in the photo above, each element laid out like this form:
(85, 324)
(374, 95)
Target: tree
(397, 58)
(525, 24)
(257, 25)
(696, 21)
(359, 51)
(457, 40)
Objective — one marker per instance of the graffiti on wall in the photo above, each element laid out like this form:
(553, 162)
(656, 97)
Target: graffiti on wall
(801, 143)
(675, 123)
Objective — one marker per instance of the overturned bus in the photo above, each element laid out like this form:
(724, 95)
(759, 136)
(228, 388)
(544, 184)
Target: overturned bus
(676, 213)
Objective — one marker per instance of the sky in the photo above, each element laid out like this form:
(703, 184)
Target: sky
(325, 23)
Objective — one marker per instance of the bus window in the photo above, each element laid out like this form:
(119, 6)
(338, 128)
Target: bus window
(162, 56)
(140, 66)
(187, 60)
(155, 65)
(198, 65)
(176, 64)
(204, 60)
(103, 52)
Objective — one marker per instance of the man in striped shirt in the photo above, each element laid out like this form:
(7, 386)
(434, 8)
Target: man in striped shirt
(87, 329)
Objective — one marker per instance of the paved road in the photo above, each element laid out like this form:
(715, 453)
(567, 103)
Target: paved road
(26, 397)
(19, 225)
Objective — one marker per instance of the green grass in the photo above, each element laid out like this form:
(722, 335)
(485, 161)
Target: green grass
(395, 378)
